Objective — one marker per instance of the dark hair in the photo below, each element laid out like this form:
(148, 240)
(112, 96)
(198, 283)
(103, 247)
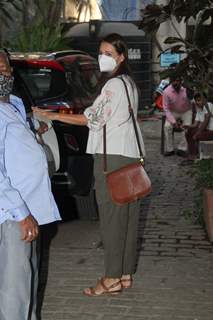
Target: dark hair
(175, 76)
(200, 95)
(118, 42)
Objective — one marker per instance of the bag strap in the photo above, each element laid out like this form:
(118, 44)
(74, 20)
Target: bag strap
(135, 129)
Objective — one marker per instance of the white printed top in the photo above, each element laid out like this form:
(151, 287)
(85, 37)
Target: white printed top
(111, 108)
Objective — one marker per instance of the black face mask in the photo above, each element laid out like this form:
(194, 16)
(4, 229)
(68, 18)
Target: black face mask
(6, 85)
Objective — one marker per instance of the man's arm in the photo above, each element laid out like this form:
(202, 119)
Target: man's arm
(169, 115)
(12, 204)
(193, 125)
(203, 125)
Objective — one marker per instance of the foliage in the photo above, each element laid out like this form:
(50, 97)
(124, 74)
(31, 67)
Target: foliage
(203, 172)
(5, 8)
(49, 12)
(83, 6)
(195, 215)
(42, 30)
(39, 37)
(5, 14)
(198, 47)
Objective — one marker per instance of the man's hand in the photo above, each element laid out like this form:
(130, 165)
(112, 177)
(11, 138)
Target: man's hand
(195, 136)
(178, 124)
(186, 126)
(29, 229)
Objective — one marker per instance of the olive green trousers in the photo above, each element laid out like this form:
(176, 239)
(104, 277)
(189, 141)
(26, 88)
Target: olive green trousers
(119, 224)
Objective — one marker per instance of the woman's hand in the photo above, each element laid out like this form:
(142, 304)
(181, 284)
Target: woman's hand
(43, 127)
(76, 119)
(45, 113)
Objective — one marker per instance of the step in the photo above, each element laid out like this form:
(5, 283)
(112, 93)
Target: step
(206, 150)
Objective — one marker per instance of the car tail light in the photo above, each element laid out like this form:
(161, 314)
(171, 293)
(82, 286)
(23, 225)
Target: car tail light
(64, 109)
(71, 142)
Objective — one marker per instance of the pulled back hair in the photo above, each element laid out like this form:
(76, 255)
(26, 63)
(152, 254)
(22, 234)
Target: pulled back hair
(118, 42)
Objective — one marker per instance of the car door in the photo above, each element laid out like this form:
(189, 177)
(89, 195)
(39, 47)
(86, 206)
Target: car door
(48, 140)
(46, 85)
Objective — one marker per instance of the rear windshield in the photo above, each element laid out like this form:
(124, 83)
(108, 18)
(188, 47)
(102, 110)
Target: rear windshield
(82, 75)
(84, 79)
(43, 83)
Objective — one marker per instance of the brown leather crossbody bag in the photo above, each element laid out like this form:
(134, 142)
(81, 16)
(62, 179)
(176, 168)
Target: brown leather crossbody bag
(131, 182)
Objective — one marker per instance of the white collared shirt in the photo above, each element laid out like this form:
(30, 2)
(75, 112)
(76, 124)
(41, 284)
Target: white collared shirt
(24, 182)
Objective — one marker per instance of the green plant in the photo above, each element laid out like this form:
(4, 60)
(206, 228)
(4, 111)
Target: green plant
(197, 45)
(41, 27)
(83, 6)
(203, 172)
(195, 214)
(5, 8)
(40, 37)
(6, 17)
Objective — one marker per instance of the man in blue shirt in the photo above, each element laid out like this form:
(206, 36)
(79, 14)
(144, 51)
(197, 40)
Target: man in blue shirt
(26, 202)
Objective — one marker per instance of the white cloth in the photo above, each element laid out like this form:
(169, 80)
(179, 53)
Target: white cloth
(210, 124)
(163, 84)
(186, 117)
(200, 115)
(111, 108)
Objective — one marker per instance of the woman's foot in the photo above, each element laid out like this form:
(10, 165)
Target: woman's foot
(126, 281)
(104, 286)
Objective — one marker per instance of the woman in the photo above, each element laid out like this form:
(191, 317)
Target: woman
(119, 224)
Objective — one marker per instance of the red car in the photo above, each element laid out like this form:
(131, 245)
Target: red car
(61, 81)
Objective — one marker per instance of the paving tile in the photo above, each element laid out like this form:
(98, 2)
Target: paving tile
(175, 266)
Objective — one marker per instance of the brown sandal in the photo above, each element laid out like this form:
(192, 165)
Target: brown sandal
(92, 291)
(126, 283)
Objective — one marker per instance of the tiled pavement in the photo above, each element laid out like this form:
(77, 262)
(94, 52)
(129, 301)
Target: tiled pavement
(174, 279)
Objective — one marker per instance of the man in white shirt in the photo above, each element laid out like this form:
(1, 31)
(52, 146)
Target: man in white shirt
(26, 202)
(202, 128)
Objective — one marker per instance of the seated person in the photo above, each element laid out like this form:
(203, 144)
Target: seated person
(178, 110)
(202, 128)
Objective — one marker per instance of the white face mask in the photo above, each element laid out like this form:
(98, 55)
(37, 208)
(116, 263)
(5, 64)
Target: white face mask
(106, 63)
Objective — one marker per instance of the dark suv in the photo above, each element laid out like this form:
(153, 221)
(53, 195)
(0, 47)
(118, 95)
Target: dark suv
(61, 81)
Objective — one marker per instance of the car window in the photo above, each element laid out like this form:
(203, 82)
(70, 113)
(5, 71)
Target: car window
(43, 82)
(89, 78)
(83, 78)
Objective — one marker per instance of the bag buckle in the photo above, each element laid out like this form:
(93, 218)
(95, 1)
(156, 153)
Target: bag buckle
(141, 160)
